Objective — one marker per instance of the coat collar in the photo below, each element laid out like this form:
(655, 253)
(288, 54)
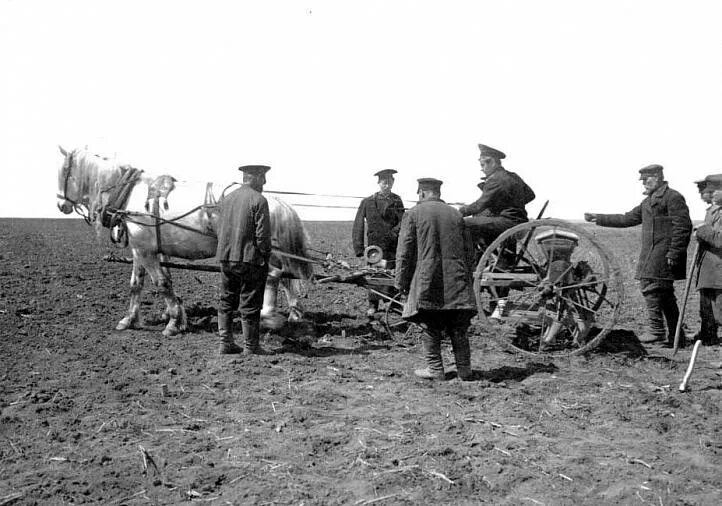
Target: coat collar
(498, 172)
(659, 192)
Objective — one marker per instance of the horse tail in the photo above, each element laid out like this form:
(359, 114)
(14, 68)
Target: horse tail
(289, 236)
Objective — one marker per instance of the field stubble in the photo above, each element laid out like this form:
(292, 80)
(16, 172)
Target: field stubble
(335, 416)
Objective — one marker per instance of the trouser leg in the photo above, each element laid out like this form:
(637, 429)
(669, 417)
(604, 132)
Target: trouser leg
(462, 351)
(227, 303)
(671, 315)
(655, 318)
(251, 301)
(708, 322)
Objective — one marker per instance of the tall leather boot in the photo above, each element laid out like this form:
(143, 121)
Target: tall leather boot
(431, 343)
(655, 331)
(251, 338)
(462, 353)
(671, 314)
(225, 332)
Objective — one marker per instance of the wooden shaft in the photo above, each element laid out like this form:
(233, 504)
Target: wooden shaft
(683, 385)
(687, 286)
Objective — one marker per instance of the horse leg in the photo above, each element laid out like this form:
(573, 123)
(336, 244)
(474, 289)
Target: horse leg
(292, 288)
(269, 314)
(133, 319)
(177, 321)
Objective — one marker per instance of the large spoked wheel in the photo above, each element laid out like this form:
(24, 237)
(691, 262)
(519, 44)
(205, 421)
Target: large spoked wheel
(547, 288)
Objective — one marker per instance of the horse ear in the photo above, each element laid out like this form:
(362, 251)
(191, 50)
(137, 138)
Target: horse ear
(64, 153)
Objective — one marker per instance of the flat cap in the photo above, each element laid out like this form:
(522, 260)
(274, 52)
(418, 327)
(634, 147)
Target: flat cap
(714, 182)
(491, 152)
(701, 183)
(254, 169)
(650, 170)
(429, 183)
(385, 173)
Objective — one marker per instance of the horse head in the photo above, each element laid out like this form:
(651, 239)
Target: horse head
(82, 180)
(67, 183)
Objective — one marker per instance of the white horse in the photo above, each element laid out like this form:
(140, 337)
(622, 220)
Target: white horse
(160, 217)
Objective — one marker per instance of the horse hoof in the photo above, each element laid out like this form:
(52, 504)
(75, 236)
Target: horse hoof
(124, 324)
(295, 316)
(171, 331)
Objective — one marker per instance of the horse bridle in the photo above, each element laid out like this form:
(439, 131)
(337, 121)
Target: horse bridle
(78, 207)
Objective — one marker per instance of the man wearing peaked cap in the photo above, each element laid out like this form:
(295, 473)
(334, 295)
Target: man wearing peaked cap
(379, 215)
(709, 274)
(244, 247)
(487, 151)
(502, 202)
(433, 269)
(429, 183)
(666, 230)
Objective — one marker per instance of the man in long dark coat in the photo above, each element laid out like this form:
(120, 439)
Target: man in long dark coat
(381, 214)
(666, 230)
(433, 269)
(502, 202)
(709, 274)
(244, 246)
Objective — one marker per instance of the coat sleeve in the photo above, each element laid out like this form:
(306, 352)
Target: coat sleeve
(263, 229)
(681, 227)
(709, 237)
(491, 191)
(357, 234)
(399, 210)
(629, 219)
(406, 254)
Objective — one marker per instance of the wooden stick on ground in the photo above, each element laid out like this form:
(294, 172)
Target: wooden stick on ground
(683, 385)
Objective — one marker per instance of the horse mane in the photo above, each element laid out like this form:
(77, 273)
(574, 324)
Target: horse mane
(288, 229)
(93, 174)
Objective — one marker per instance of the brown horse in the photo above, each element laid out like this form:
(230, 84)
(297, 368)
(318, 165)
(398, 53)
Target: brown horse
(161, 217)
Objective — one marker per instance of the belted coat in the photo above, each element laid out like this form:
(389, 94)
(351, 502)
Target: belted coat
(709, 236)
(666, 230)
(433, 260)
(382, 217)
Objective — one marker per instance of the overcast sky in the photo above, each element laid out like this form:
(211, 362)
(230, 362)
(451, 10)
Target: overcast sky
(579, 94)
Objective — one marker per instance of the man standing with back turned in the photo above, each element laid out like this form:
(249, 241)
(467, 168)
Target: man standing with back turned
(244, 246)
(666, 229)
(433, 270)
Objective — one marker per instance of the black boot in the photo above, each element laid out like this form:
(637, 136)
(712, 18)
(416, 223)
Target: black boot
(671, 314)
(251, 338)
(431, 342)
(655, 319)
(462, 353)
(225, 332)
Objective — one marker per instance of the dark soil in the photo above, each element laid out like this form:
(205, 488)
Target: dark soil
(335, 414)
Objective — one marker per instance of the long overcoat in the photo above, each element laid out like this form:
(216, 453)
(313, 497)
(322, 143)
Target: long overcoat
(382, 216)
(433, 260)
(666, 229)
(709, 235)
